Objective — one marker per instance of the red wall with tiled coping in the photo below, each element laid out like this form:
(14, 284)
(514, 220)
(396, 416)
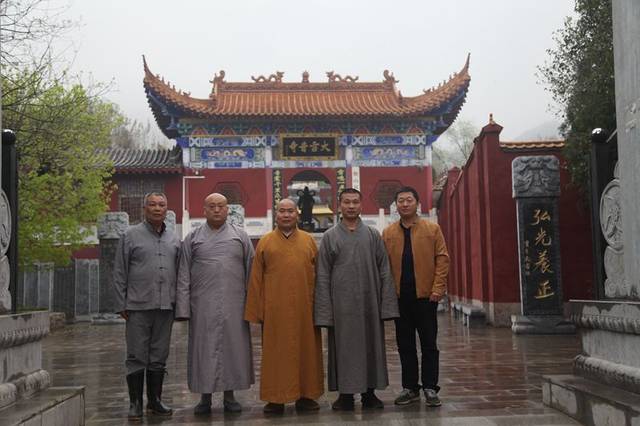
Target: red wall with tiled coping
(478, 218)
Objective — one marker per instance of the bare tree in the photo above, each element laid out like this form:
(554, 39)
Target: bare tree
(29, 64)
(454, 146)
(28, 29)
(133, 134)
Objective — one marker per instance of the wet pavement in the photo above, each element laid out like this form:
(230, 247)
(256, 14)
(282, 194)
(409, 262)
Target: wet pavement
(488, 377)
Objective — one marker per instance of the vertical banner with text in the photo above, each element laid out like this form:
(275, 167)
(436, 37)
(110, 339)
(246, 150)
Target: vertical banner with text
(536, 188)
(278, 190)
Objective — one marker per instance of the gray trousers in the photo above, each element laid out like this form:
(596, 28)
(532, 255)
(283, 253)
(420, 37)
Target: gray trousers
(148, 334)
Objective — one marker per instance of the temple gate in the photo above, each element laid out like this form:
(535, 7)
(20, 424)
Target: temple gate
(258, 142)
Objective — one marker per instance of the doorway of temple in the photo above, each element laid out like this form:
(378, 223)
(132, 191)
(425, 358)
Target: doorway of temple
(313, 193)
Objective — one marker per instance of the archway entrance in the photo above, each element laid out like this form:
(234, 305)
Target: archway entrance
(313, 193)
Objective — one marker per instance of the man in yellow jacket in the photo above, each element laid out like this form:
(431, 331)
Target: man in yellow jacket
(420, 265)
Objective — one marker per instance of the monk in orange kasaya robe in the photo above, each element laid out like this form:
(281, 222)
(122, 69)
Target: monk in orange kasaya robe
(280, 297)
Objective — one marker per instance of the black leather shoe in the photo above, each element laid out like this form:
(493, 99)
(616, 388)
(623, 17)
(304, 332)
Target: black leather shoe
(273, 408)
(343, 403)
(370, 401)
(230, 404)
(204, 406)
(154, 394)
(135, 383)
(307, 404)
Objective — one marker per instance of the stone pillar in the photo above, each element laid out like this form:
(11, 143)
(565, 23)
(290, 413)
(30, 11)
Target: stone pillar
(8, 223)
(616, 285)
(110, 227)
(21, 373)
(605, 386)
(5, 268)
(536, 188)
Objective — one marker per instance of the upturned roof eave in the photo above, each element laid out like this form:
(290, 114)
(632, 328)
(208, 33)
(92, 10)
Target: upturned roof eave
(184, 106)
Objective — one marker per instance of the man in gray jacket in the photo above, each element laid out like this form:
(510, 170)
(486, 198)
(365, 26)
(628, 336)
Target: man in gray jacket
(145, 273)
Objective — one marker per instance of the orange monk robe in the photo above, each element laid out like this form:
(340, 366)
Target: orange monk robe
(280, 296)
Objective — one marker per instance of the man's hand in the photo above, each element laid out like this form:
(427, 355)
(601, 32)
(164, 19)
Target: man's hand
(124, 315)
(435, 297)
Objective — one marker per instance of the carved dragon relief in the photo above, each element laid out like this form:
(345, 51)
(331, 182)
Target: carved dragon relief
(334, 78)
(273, 78)
(536, 176)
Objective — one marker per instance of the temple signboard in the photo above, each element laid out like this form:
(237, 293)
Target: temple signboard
(309, 148)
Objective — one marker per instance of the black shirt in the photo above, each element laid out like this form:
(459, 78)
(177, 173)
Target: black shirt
(408, 277)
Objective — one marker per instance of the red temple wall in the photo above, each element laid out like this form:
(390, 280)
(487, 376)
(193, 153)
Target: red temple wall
(173, 191)
(252, 184)
(172, 188)
(502, 226)
(478, 218)
(418, 177)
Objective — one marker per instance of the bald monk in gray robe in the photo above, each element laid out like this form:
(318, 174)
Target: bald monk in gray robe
(354, 294)
(213, 273)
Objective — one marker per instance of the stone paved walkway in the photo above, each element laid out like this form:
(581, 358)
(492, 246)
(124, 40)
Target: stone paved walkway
(488, 377)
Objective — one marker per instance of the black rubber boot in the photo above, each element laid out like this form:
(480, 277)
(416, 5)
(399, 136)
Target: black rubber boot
(135, 382)
(154, 394)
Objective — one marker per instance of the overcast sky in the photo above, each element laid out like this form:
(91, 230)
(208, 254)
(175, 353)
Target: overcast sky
(422, 42)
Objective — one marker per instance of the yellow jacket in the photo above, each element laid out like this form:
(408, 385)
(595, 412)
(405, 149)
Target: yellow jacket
(430, 257)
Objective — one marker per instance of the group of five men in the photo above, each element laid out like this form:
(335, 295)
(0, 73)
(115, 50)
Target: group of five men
(351, 284)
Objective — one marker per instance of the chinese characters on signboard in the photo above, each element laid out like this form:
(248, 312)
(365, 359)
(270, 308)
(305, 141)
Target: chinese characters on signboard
(278, 194)
(540, 266)
(309, 148)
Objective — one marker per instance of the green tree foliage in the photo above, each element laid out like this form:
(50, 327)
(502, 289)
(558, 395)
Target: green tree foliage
(580, 77)
(63, 171)
(62, 130)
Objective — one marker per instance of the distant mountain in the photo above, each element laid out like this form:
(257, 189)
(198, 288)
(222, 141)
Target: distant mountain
(545, 131)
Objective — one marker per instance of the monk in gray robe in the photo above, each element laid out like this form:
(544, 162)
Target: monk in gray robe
(354, 294)
(214, 270)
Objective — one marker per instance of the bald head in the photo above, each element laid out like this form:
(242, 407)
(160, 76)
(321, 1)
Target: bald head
(216, 210)
(286, 203)
(287, 215)
(215, 198)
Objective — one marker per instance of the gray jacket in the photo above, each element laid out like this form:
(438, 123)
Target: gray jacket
(145, 269)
